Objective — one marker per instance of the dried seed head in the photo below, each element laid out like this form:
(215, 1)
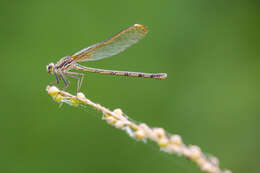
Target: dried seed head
(74, 101)
(175, 140)
(186, 152)
(175, 149)
(139, 134)
(163, 142)
(201, 161)
(119, 124)
(148, 131)
(81, 96)
(214, 160)
(143, 126)
(195, 152)
(207, 167)
(58, 98)
(159, 132)
(111, 120)
(52, 90)
(118, 112)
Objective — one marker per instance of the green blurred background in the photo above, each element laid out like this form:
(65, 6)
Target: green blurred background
(210, 50)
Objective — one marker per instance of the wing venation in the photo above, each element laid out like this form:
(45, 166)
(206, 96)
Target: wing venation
(113, 45)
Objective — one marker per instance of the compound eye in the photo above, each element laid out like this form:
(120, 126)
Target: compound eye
(50, 68)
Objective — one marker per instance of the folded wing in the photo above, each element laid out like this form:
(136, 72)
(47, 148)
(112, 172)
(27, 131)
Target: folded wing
(113, 45)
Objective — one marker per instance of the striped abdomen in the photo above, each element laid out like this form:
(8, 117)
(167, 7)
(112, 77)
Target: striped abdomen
(121, 73)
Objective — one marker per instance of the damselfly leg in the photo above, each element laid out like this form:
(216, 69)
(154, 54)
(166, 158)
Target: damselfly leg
(78, 76)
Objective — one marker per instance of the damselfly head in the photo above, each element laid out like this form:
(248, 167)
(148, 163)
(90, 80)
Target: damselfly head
(50, 68)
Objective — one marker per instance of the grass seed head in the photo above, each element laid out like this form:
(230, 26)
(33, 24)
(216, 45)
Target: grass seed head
(52, 90)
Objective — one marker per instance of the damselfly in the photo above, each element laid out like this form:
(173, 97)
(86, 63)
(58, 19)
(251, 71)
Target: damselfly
(111, 46)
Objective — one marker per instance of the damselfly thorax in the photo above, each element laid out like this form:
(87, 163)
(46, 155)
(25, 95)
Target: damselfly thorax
(111, 46)
(65, 64)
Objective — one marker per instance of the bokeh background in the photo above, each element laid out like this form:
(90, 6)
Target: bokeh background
(210, 50)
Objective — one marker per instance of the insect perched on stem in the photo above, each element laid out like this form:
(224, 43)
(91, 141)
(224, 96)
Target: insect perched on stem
(111, 46)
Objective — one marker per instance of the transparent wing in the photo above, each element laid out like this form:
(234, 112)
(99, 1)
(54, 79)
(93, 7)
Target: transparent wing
(113, 45)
